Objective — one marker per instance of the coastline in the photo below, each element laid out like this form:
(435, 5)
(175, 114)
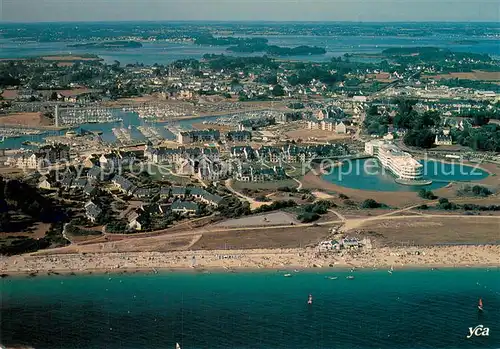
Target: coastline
(414, 257)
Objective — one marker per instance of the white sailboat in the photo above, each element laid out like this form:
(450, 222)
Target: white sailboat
(177, 346)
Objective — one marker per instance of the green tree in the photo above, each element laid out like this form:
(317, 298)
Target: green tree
(278, 91)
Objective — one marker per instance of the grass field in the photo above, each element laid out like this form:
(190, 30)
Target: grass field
(439, 230)
(272, 185)
(265, 238)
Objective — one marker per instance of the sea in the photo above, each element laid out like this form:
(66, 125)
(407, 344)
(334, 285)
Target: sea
(163, 52)
(408, 309)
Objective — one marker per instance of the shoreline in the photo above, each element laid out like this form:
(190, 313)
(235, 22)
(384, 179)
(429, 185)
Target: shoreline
(415, 257)
(235, 270)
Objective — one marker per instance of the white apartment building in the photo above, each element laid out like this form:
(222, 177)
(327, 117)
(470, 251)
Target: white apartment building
(401, 164)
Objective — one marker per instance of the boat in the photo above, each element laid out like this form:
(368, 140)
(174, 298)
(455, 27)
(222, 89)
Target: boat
(350, 277)
(287, 275)
(391, 270)
(2, 140)
(310, 299)
(26, 143)
(331, 277)
(177, 346)
(480, 305)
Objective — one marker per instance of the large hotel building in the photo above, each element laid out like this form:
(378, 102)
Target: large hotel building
(401, 164)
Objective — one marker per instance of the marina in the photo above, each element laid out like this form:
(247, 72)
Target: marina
(16, 131)
(236, 119)
(162, 112)
(86, 115)
(151, 133)
(123, 135)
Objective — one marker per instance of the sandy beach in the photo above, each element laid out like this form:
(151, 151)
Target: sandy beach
(401, 257)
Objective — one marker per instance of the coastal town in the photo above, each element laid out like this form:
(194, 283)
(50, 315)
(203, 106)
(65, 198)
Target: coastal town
(236, 174)
(248, 153)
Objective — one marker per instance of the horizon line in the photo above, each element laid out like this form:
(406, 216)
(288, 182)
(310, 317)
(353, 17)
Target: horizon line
(249, 21)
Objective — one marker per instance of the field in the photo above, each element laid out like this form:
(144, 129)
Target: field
(264, 238)
(274, 218)
(272, 185)
(305, 134)
(436, 230)
(25, 119)
(477, 75)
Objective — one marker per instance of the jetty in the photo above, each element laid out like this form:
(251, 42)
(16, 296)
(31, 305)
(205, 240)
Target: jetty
(151, 134)
(123, 135)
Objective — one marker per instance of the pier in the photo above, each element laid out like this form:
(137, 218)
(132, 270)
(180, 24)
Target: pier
(123, 135)
(151, 134)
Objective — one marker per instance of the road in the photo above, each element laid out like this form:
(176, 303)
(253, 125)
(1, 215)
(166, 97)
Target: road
(253, 203)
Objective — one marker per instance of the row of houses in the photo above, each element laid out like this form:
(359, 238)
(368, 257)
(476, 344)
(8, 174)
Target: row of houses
(41, 158)
(174, 155)
(210, 135)
(327, 125)
(289, 153)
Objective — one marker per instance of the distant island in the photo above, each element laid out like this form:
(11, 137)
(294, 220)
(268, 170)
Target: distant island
(108, 44)
(274, 50)
(252, 45)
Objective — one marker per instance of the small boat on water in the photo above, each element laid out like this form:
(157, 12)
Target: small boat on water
(287, 275)
(480, 305)
(310, 299)
(331, 277)
(350, 277)
(177, 346)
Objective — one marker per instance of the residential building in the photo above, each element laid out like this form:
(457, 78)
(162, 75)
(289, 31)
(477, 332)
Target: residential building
(26, 160)
(340, 128)
(110, 161)
(178, 192)
(133, 221)
(92, 211)
(401, 164)
(145, 193)
(243, 153)
(205, 196)
(44, 183)
(97, 173)
(123, 184)
(327, 125)
(443, 138)
(54, 153)
(251, 173)
(184, 207)
(196, 136)
(239, 136)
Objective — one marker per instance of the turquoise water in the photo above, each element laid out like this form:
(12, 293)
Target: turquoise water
(367, 174)
(405, 310)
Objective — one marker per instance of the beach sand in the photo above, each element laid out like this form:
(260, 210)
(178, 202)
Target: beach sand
(397, 257)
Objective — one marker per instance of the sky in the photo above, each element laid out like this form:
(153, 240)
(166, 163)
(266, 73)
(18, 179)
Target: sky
(258, 10)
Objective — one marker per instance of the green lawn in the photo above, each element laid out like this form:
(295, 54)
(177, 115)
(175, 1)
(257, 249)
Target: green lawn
(272, 185)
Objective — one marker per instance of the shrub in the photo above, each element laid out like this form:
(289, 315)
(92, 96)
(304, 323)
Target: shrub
(370, 203)
(308, 217)
(427, 194)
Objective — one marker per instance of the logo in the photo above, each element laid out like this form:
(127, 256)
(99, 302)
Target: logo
(479, 331)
